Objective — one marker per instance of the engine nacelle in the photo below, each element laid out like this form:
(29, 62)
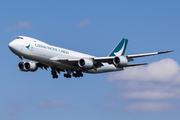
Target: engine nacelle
(27, 66)
(85, 63)
(120, 61)
(21, 66)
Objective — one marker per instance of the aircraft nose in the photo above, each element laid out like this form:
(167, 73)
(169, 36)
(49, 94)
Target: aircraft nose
(14, 46)
(11, 44)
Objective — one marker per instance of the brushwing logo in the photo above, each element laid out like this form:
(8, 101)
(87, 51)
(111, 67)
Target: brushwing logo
(28, 47)
(120, 51)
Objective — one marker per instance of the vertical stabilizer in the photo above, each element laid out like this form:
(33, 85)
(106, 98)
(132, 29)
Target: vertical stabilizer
(119, 50)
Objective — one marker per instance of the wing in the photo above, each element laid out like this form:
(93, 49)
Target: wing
(118, 61)
(130, 57)
(41, 65)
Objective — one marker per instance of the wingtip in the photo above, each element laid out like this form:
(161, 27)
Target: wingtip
(170, 51)
(165, 51)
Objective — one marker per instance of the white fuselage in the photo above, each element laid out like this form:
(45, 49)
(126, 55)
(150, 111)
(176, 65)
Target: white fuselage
(36, 50)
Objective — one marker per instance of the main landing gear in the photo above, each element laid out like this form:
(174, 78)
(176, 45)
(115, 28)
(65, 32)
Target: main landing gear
(67, 75)
(78, 74)
(54, 72)
(75, 74)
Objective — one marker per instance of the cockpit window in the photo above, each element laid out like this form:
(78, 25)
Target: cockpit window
(19, 38)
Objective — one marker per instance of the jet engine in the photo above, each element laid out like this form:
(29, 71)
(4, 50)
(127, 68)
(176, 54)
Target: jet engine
(85, 63)
(120, 61)
(27, 66)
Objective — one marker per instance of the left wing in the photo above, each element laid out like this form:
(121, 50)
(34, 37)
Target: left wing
(130, 57)
(118, 61)
(147, 54)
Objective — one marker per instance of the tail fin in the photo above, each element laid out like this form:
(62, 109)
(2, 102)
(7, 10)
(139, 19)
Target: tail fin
(119, 50)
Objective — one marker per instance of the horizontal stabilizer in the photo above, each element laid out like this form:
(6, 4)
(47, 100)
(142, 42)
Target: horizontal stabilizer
(131, 65)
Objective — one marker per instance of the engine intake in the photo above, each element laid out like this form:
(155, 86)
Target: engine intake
(85, 63)
(21, 66)
(27, 66)
(120, 61)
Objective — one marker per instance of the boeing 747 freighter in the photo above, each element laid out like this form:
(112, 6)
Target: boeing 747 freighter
(73, 63)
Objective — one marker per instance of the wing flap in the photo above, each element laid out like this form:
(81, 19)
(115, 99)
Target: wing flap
(72, 62)
(104, 59)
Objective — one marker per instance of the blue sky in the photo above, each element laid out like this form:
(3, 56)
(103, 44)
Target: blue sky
(93, 27)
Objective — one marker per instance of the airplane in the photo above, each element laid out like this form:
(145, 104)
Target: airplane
(73, 63)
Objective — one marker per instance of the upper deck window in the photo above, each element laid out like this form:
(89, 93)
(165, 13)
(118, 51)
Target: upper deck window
(19, 38)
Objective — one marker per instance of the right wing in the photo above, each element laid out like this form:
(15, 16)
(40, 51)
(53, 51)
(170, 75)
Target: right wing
(98, 61)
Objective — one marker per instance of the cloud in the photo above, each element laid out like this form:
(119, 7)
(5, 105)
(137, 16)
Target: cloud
(143, 106)
(52, 103)
(83, 23)
(147, 88)
(163, 70)
(15, 109)
(139, 90)
(149, 95)
(21, 24)
(150, 107)
(34, 94)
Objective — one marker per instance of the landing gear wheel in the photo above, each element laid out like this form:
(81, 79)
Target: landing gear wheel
(81, 75)
(78, 74)
(54, 73)
(56, 76)
(67, 75)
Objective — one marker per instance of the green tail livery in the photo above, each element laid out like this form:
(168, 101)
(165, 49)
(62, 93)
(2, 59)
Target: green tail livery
(119, 50)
